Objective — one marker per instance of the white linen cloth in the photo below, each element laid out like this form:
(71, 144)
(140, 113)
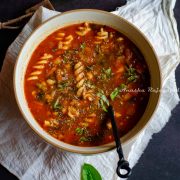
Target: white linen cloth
(25, 154)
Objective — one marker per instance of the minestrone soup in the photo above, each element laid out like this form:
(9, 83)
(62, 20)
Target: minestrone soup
(76, 73)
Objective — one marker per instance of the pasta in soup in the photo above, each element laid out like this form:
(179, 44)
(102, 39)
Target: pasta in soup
(76, 73)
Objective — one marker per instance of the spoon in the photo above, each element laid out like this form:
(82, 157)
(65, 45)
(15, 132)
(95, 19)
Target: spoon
(123, 170)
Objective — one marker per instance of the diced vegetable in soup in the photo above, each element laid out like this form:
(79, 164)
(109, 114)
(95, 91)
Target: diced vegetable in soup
(76, 73)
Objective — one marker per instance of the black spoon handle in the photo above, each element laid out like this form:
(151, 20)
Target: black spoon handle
(122, 163)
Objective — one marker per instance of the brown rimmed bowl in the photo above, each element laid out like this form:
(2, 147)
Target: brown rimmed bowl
(98, 17)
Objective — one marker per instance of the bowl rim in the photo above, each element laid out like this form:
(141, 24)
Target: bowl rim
(112, 147)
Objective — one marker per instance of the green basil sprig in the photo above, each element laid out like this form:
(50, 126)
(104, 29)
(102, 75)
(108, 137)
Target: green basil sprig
(88, 172)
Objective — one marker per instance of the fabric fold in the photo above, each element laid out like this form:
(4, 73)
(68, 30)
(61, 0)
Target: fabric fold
(28, 157)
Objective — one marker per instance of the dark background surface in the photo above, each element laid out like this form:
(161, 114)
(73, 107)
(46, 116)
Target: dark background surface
(161, 159)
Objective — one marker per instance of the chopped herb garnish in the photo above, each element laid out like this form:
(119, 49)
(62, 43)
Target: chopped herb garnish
(117, 91)
(132, 78)
(98, 49)
(89, 84)
(56, 105)
(103, 76)
(67, 56)
(84, 139)
(104, 98)
(83, 46)
(103, 105)
(104, 102)
(65, 60)
(89, 68)
(114, 93)
(54, 49)
(62, 85)
(131, 73)
(106, 73)
(80, 131)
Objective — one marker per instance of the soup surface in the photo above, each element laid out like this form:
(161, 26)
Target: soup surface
(76, 73)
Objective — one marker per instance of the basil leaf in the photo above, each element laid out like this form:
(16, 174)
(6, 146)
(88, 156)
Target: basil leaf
(79, 131)
(116, 91)
(131, 73)
(104, 102)
(88, 172)
(103, 106)
(104, 98)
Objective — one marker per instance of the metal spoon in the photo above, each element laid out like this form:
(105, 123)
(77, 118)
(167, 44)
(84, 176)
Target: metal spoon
(123, 165)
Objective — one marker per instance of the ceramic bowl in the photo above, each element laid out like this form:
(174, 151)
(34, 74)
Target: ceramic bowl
(98, 17)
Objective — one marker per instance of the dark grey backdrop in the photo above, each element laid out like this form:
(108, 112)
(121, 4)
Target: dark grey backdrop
(161, 159)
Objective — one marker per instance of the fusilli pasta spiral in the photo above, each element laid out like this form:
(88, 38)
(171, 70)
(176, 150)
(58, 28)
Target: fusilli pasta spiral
(101, 35)
(120, 39)
(39, 66)
(60, 36)
(65, 43)
(80, 78)
(89, 95)
(72, 112)
(83, 30)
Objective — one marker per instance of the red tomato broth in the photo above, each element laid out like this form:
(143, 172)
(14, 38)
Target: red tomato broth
(80, 120)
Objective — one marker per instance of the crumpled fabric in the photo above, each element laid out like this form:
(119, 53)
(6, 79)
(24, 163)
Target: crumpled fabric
(28, 157)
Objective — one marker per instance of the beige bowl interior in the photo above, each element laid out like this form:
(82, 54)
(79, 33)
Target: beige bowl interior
(74, 17)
